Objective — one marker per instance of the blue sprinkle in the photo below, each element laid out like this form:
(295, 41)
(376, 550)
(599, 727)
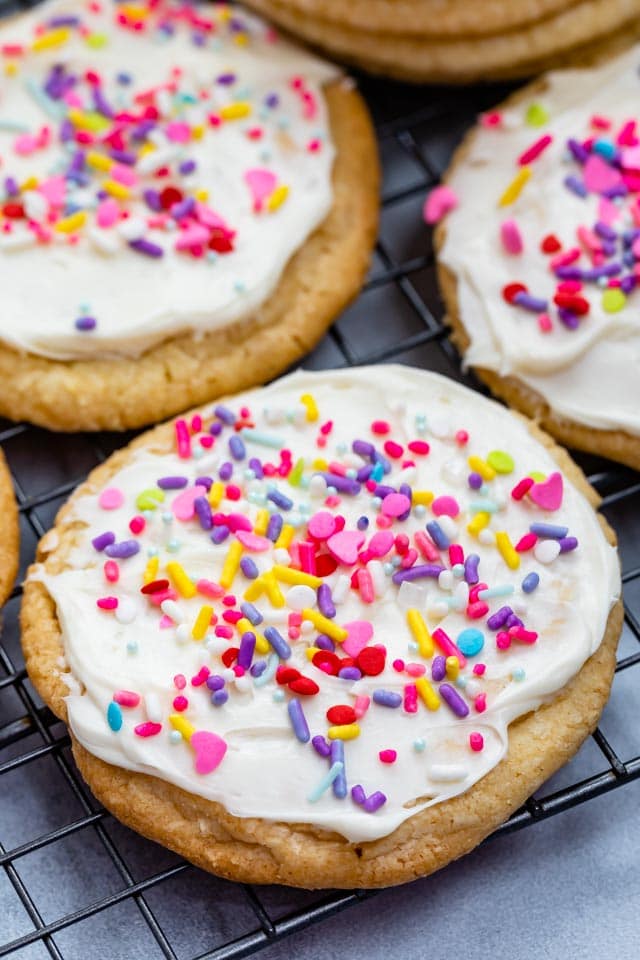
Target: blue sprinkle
(438, 535)
(249, 568)
(114, 716)
(549, 530)
(470, 641)
(252, 613)
(237, 447)
(280, 500)
(278, 643)
(218, 697)
(530, 582)
(387, 698)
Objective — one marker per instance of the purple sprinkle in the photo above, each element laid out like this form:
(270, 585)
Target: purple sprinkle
(280, 499)
(628, 283)
(528, 302)
(215, 429)
(604, 230)
(226, 471)
(438, 668)
(66, 131)
(226, 79)
(358, 795)
(101, 104)
(172, 483)
(215, 682)
(256, 466)
(124, 549)
(220, 534)
(277, 642)
(272, 101)
(251, 613)
(147, 248)
(298, 721)
(187, 167)
(363, 448)
(152, 200)
(513, 621)
(350, 673)
(11, 187)
(325, 643)
(471, 568)
(406, 491)
(321, 746)
(568, 273)
(258, 668)
(575, 185)
(64, 20)
(609, 247)
(247, 649)
(606, 270)
(475, 481)
(274, 527)
(362, 523)
(123, 156)
(86, 323)
(548, 530)
(249, 568)
(325, 601)
(340, 782)
(342, 484)
(499, 618)
(223, 413)
(567, 544)
(378, 457)
(530, 582)
(387, 698)
(375, 801)
(219, 698)
(203, 512)
(103, 540)
(206, 482)
(568, 318)
(453, 699)
(141, 130)
(237, 447)
(182, 209)
(418, 573)
(619, 190)
(438, 535)
(578, 151)
(124, 79)
(383, 490)
(364, 473)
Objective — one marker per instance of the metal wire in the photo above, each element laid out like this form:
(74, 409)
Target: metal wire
(398, 317)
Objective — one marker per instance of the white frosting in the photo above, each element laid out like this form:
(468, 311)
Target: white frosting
(267, 772)
(136, 300)
(588, 375)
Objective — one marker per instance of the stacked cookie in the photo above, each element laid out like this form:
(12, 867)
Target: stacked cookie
(454, 41)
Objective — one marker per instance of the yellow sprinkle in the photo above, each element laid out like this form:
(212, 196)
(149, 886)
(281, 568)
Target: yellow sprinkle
(513, 190)
(287, 575)
(197, 132)
(201, 195)
(422, 497)
(428, 695)
(231, 564)
(11, 69)
(241, 39)
(479, 522)
(319, 464)
(117, 190)
(72, 223)
(151, 570)
(134, 11)
(30, 183)
(419, 629)
(262, 522)
(216, 493)
(255, 589)
(201, 625)
(310, 406)
(452, 666)
(180, 723)
(98, 161)
(346, 731)
(235, 111)
(278, 197)
(480, 466)
(286, 536)
(273, 590)
(510, 556)
(324, 625)
(183, 584)
(53, 38)
(311, 652)
(93, 122)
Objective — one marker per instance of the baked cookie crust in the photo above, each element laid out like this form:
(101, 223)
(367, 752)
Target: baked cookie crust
(260, 851)
(317, 283)
(9, 531)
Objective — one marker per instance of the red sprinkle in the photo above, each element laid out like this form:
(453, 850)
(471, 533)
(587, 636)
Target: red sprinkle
(370, 661)
(550, 244)
(305, 686)
(341, 714)
(511, 291)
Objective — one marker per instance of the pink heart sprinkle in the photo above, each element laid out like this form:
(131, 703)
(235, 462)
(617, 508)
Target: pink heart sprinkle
(111, 498)
(322, 525)
(380, 543)
(209, 750)
(182, 507)
(439, 202)
(344, 546)
(253, 542)
(548, 494)
(395, 504)
(445, 507)
(359, 634)
(598, 176)
(261, 183)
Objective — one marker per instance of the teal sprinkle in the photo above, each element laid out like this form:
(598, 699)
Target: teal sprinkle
(212, 257)
(502, 590)
(412, 646)
(198, 453)
(606, 148)
(175, 737)
(483, 506)
(12, 126)
(278, 695)
(304, 508)
(377, 473)
(173, 546)
(132, 646)
(388, 569)
(518, 674)
(341, 448)
(114, 716)
(262, 438)
(458, 570)
(334, 772)
(264, 678)
(352, 474)
(167, 517)
(249, 474)
(419, 510)
(376, 503)
(419, 745)
(239, 286)
(331, 491)
(461, 681)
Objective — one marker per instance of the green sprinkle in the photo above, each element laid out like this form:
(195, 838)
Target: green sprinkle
(537, 115)
(500, 461)
(149, 499)
(613, 300)
(97, 40)
(296, 474)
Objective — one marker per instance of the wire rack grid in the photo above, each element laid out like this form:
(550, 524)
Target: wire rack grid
(69, 872)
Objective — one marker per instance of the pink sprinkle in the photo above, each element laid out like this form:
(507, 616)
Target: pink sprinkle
(456, 554)
(253, 542)
(180, 703)
(445, 506)
(388, 756)
(261, 183)
(524, 636)
(438, 204)
(183, 504)
(393, 449)
(448, 647)
(306, 556)
(491, 119)
(598, 176)
(111, 571)
(111, 498)
(380, 544)
(411, 698)
(544, 323)
(365, 585)
(123, 174)
(183, 440)
(321, 525)
(179, 681)
(107, 603)
(137, 524)
(476, 742)
(419, 447)
(534, 151)
(600, 123)
(192, 236)
(479, 669)
(361, 705)
(416, 669)
(165, 622)
(480, 702)
(25, 144)
(409, 559)
(424, 545)
(521, 488)
(225, 632)
(55, 190)
(527, 542)
(107, 213)
(209, 589)
(178, 132)
(147, 729)
(200, 677)
(382, 522)
(398, 665)
(511, 237)
(566, 258)
(395, 504)
(126, 698)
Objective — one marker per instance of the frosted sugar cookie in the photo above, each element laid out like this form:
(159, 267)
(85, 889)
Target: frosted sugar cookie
(187, 201)
(539, 259)
(329, 633)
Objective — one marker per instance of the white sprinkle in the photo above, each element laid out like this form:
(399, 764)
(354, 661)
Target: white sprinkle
(153, 708)
(300, 596)
(446, 772)
(341, 589)
(126, 611)
(546, 551)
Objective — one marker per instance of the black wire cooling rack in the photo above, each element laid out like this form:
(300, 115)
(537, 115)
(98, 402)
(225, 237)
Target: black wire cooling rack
(69, 872)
